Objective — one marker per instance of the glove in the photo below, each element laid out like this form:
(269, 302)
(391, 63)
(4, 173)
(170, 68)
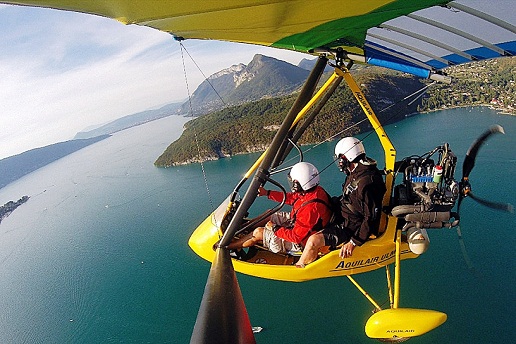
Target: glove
(272, 226)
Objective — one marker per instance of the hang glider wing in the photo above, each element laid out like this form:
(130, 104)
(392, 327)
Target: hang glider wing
(420, 37)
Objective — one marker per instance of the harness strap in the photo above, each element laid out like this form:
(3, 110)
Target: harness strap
(319, 222)
(352, 187)
(315, 200)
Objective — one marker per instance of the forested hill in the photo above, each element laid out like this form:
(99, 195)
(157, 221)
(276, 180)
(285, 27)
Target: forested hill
(489, 82)
(250, 127)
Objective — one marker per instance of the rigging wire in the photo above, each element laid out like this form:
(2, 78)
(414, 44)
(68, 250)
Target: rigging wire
(395, 114)
(419, 93)
(193, 128)
(200, 70)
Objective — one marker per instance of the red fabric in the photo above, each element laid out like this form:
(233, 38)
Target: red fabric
(307, 216)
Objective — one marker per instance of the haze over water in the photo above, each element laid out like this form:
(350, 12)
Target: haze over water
(99, 253)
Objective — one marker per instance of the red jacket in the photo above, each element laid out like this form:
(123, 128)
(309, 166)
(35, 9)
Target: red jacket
(309, 218)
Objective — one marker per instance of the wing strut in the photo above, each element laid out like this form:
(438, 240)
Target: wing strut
(428, 40)
(399, 56)
(409, 47)
(312, 81)
(388, 147)
(460, 33)
(482, 15)
(222, 316)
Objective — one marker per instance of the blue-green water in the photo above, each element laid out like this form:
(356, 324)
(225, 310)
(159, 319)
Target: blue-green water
(99, 253)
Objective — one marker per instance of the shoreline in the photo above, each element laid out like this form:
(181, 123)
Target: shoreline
(498, 109)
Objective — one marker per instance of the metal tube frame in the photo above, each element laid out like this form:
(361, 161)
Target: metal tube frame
(264, 163)
(390, 159)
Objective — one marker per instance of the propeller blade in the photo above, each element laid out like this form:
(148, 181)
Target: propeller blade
(469, 163)
(471, 155)
(498, 206)
(465, 255)
(222, 316)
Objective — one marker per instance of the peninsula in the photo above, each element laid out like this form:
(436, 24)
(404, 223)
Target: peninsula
(9, 207)
(249, 127)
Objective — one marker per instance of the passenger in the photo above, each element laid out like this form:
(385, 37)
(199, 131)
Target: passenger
(288, 232)
(360, 203)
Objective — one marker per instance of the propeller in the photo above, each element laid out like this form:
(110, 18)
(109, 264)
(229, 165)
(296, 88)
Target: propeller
(467, 167)
(465, 188)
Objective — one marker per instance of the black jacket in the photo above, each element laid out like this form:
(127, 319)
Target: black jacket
(361, 201)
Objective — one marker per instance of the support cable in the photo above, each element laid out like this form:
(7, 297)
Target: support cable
(200, 70)
(193, 128)
(417, 94)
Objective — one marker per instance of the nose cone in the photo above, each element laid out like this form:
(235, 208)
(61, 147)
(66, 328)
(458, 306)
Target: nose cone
(403, 323)
(418, 240)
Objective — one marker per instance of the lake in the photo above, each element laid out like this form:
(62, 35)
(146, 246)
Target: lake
(99, 253)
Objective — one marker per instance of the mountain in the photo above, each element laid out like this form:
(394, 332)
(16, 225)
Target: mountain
(17, 166)
(251, 126)
(309, 64)
(263, 77)
(130, 121)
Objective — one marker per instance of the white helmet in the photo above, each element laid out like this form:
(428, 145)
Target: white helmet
(305, 174)
(350, 147)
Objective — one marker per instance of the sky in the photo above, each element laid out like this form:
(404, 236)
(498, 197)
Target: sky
(62, 72)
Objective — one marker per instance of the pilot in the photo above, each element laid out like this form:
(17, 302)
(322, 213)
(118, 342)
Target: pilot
(311, 212)
(360, 203)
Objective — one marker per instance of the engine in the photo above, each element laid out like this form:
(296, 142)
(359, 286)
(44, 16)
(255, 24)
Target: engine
(428, 191)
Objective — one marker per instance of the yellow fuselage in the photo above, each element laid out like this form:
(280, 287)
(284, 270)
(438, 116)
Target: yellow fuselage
(370, 256)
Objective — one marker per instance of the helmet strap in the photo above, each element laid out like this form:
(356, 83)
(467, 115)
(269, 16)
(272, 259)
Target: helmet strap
(352, 166)
(296, 187)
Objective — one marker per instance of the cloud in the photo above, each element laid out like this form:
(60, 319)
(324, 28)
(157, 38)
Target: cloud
(63, 71)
